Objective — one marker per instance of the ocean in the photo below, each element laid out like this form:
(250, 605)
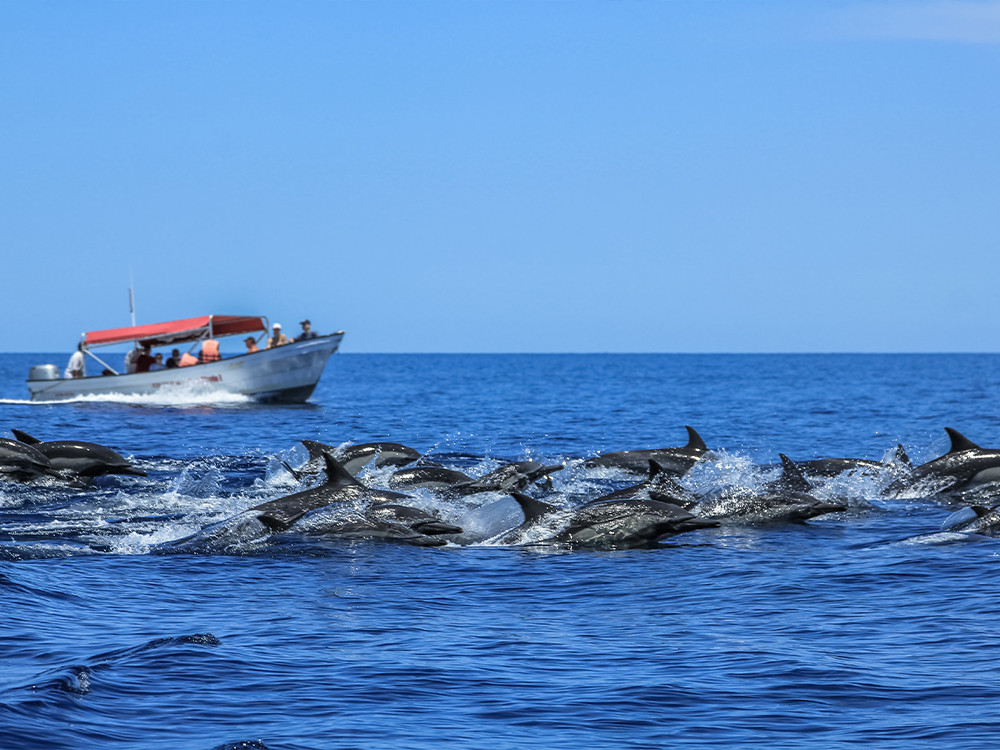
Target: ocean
(857, 627)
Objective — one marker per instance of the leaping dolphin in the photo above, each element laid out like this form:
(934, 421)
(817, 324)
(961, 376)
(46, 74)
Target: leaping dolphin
(612, 524)
(23, 462)
(79, 457)
(383, 518)
(355, 457)
(965, 465)
(831, 467)
(383, 510)
(340, 486)
(675, 460)
(784, 499)
(509, 477)
(428, 477)
(659, 485)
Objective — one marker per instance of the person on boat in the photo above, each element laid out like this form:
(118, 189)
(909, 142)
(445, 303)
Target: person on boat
(209, 351)
(130, 358)
(187, 359)
(277, 337)
(144, 360)
(307, 331)
(175, 359)
(251, 343)
(157, 363)
(76, 368)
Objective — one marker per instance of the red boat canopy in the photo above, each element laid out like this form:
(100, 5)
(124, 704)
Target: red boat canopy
(176, 331)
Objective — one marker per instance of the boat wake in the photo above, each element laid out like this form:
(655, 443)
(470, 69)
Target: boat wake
(179, 396)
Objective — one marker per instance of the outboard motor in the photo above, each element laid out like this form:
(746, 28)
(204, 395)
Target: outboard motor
(44, 372)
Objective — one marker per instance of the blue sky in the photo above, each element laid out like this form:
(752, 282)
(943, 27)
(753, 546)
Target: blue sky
(507, 176)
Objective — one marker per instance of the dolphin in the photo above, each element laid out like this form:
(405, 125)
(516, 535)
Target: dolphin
(80, 458)
(23, 462)
(612, 524)
(659, 485)
(972, 523)
(383, 506)
(340, 486)
(428, 477)
(513, 476)
(363, 529)
(975, 519)
(965, 465)
(675, 460)
(784, 499)
(412, 518)
(382, 521)
(356, 457)
(394, 522)
(831, 467)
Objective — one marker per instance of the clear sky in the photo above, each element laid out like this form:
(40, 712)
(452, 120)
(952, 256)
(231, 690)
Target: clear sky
(505, 175)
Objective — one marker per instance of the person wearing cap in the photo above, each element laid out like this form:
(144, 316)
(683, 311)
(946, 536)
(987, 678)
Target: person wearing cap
(277, 337)
(251, 343)
(307, 331)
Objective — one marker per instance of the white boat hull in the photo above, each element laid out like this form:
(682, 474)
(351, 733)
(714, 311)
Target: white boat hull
(286, 374)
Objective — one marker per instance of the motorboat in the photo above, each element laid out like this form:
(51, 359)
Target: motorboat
(285, 374)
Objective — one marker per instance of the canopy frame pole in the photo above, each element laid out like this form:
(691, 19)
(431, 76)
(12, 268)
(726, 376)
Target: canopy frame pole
(106, 365)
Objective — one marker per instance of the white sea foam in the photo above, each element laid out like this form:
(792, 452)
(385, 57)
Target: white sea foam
(184, 395)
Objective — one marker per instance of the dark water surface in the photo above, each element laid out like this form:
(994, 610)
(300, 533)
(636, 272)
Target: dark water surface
(851, 628)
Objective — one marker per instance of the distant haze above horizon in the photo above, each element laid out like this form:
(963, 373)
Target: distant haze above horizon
(692, 176)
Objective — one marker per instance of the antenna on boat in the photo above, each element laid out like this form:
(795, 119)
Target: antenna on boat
(131, 298)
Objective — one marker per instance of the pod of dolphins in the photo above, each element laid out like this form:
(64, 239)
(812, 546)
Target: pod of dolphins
(637, 515)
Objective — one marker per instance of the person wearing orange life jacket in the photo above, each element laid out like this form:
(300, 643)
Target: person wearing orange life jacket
(209, 351)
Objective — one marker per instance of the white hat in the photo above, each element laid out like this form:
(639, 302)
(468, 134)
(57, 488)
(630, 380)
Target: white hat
(276, 325)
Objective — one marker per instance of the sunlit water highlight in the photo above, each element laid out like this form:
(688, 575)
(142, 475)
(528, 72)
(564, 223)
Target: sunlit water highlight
(874, 625)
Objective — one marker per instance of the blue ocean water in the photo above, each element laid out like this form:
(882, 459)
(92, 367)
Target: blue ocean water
(850, 628)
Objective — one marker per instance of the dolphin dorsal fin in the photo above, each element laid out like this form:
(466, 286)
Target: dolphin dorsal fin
(316, 450)
(337, 474)
(791, 475)
(273, 523)
(24, 437)
(293, 472)
(901, 455)
(960, 442)
(533, 509)
(695, 443)
(655, 469)
(980, 510)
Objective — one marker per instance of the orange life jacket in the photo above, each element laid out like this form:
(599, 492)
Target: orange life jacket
(188, 359)
(210, 351)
